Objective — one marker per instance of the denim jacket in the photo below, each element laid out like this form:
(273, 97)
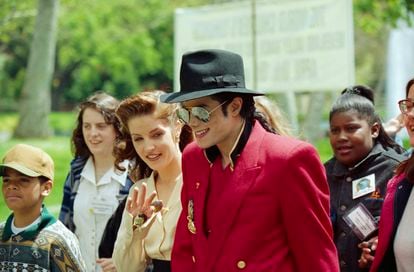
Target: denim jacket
(380, 162)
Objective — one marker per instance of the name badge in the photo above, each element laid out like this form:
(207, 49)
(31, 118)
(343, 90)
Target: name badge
(101, 207)
(363, 186)
(360, 220)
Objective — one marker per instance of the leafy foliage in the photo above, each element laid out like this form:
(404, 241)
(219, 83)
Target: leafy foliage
(125, 46)
(118, 46)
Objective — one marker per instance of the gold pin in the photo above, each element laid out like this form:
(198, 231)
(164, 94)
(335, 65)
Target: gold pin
(190, 225)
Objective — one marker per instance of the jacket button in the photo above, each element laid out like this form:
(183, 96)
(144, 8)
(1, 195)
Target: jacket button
(349, 179)
(241, 264)
(343, 208)
(193, 257)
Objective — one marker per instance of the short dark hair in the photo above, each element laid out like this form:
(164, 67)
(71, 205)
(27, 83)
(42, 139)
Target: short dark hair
(247, 112)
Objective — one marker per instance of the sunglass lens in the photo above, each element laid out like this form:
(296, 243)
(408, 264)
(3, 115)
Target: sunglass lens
(201, 113)
(183, 115)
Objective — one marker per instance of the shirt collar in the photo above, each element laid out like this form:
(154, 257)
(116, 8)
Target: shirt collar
(340, 169)
(213, 152)
(88, 172)
(119, 176)
(46, 219)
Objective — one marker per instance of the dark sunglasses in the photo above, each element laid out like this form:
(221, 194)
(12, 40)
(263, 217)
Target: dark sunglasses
(200, 113)
(406, 105)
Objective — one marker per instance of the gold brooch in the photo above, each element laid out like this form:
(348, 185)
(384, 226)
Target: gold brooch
(190, 225)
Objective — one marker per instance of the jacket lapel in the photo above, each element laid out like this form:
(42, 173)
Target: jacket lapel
(243, 178)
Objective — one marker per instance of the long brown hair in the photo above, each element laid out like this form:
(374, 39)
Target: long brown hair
(407, 166)
(142, 104)
(103, 103)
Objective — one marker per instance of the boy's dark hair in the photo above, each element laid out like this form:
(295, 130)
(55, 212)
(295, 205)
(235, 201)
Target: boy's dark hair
(43, 179)
(248, 110)
(360, 98)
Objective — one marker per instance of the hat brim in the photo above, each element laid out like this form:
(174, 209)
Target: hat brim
(190, 95)
(20, 168)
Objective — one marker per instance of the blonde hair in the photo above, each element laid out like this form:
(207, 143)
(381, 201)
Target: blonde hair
(273, 115)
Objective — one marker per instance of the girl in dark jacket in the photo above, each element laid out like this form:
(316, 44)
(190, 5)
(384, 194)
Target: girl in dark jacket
(364, 160)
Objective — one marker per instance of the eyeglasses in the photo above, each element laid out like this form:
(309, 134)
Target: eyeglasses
(406, 105)
(199, 112)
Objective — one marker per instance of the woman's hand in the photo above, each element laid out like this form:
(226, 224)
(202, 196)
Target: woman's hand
(368, 249)
(106, 264)
(137, 204)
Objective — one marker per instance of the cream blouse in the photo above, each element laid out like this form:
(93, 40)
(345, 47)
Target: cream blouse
(154, 239)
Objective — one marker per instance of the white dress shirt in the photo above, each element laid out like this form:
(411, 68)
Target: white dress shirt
(93, 206)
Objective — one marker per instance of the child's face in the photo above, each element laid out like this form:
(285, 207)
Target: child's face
(351, 137)
(23, 194)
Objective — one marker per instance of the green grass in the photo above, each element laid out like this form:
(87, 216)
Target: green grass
(324, 149)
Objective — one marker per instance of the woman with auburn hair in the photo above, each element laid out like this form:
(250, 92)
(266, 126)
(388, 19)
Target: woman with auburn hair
(152, 134)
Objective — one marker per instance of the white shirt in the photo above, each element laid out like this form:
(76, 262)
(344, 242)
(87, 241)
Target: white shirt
(17, 230)
(404, 238)
(93, 206)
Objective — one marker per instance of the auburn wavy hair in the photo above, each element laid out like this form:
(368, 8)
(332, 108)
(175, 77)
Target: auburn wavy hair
(144, 103)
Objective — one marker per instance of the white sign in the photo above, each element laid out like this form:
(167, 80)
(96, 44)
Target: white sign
(301, 45)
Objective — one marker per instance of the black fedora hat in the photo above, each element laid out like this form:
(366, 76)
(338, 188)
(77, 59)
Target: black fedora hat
(209, 72)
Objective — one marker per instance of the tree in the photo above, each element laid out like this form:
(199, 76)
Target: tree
(125, 46)
(35, 100)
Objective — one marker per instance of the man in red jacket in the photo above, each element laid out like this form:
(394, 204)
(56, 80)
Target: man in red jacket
(252, 200)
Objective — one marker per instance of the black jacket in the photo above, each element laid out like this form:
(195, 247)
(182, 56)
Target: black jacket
(380, 162)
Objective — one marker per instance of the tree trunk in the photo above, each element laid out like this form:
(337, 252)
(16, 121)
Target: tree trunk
(35, 100)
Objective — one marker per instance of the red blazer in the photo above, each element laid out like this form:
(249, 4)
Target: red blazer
(274, 218)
